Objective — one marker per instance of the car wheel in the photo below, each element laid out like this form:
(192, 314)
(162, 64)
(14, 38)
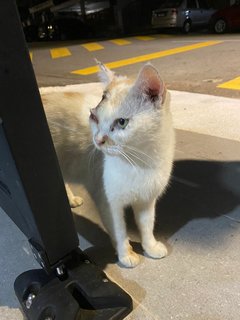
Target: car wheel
(220, 26)
(186, 26)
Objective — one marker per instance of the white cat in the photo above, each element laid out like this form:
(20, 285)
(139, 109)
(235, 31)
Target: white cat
(132, 128)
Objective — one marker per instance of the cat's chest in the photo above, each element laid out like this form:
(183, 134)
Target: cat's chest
(133, 183)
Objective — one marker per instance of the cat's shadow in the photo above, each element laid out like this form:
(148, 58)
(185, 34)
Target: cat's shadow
(198, 189)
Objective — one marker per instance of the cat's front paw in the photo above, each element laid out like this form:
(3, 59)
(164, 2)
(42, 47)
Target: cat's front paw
(130, 260)
(157, 250)
(75, 201)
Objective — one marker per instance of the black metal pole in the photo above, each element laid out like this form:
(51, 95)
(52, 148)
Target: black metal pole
(28, 136)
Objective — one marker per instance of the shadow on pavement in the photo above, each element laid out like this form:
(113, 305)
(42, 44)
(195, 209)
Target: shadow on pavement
(198, 189)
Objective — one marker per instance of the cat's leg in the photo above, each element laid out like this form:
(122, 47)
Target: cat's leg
(126, 255)
(145, 215)
(73, 200)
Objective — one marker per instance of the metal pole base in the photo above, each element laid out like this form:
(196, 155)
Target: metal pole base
(77, 291)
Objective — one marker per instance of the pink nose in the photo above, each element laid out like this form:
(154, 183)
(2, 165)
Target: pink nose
(101, 140)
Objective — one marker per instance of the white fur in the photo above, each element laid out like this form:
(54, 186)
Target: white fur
(137, 160)
(139, 175)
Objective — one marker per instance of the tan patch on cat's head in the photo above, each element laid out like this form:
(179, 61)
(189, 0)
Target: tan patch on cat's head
(119, 82)
(117, 90)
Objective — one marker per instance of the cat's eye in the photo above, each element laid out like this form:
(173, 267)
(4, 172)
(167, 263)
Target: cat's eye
(93, 117)
(122, 123)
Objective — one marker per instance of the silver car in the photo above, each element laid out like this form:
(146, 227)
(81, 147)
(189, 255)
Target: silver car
(184, 14)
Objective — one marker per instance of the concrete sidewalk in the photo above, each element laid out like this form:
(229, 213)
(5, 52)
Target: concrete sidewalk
(198, 219)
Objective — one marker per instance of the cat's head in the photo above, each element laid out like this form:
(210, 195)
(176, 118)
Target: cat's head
(129, 115)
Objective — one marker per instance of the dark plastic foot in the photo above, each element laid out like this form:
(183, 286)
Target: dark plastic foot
(80, 291)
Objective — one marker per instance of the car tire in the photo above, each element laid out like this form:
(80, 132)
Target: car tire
(220, 26)
(186, 26)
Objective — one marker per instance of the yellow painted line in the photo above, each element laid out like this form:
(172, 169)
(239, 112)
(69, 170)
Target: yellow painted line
(144, 38)
(92, 46)
(31, 55)
(120, 42)
(146, 57)
(162, 35)
(232, 84)
(60, 53)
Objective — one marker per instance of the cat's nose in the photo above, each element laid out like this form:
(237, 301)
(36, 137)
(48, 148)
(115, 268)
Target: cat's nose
(101, 140)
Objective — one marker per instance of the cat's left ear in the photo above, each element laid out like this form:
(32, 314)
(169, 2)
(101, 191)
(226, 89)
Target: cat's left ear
(105, 75)
(150, 84)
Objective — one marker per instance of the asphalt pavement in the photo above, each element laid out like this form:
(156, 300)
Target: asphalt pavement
(198, 219)
(200, 63)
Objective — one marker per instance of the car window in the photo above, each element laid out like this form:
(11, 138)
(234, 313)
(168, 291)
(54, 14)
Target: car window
(171, 3)
(191, 4)
(203, 4)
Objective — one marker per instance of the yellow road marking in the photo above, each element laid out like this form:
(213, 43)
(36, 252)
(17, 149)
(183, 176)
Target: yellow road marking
(120, 42)
(146, 57)
(232, 84)
(60, 53)
(144, 38)
(92, 46)
(31, 55)
(162, 35)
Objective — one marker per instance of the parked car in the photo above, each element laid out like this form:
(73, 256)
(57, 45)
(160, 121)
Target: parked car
(184, 14)
(226, 19)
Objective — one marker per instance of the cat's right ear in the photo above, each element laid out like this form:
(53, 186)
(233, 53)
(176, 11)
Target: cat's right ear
(150, 84)
(105, 75)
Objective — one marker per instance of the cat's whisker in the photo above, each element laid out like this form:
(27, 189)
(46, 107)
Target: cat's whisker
(128, 158)
(91, 145)
(91, 156)
(133, 153)
(140, 159)
(138, 151)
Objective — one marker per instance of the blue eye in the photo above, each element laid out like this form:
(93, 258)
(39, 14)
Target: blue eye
(122, 123)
